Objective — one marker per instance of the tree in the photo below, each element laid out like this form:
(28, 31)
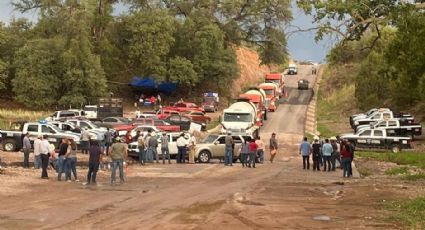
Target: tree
(274, 49)
(181, 70)
(38, 67)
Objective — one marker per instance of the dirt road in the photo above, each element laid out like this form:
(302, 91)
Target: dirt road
(207, 196)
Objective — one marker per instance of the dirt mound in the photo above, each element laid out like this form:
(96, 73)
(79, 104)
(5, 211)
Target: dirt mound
(250, 68)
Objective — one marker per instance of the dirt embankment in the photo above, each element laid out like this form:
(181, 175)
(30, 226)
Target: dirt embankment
(250, 68)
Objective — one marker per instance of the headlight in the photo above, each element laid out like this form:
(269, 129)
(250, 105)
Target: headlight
(356, 122)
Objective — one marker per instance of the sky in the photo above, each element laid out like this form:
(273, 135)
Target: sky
(301, 45)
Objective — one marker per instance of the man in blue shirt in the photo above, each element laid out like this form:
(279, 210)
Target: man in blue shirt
(327, 154)
(305, 150)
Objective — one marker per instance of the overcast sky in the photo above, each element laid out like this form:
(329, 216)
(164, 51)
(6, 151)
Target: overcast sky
(301, 45)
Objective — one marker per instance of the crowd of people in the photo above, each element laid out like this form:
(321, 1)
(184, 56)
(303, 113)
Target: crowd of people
(327, 153)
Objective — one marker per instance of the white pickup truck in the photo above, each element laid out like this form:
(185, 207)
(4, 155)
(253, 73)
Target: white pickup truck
(379, 116)
(400, 127)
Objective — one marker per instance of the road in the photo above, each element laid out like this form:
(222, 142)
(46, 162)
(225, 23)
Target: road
(203, 196)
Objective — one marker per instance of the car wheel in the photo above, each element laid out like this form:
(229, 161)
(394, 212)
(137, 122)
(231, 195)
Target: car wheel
(204, 156)
(9, 145)
(395, 148)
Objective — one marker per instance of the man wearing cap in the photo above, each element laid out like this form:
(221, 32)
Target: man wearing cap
(273, 147)
(26, 148)
(182, 148)
(317, 153)
(228, 155)
(305, 150)
(45, 151)
(85, 138)
(118, 153)
(164, 148)
(153, 145)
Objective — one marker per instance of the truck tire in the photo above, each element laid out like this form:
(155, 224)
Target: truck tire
(204, 157)
(395, 148)
(9, 145)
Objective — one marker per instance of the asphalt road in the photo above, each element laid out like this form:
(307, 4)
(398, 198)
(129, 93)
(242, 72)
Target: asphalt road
(200, 196)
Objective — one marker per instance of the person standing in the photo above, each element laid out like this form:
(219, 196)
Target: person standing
(327, 154)
(253, 147)
(305, 150)
(245, 152)
(85, 138)
(164, 148)
(118, 155)
(61, 163)
(182, 148)
(45, 151)
(317, 153)
(71, 161)
(260, 151)
(108, 140)
(192, 147)
(149, 154)
(228, 157)
(27, 149)
(336, 153)
(141, 147)
(153, 146)
(273, 145)
(37, 151)
(94, 161)
(351, 149)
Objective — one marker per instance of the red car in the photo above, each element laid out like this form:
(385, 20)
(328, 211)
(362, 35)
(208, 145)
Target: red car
(185, 106)
(164, 113)
(160, 124)
(198, 116)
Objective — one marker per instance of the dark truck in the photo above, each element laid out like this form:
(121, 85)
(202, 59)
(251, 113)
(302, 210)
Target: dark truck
(378, 139)
(400, 127)
(107, 107)
(12, 139)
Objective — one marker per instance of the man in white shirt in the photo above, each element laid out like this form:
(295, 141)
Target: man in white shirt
(37, 157)
(85, 138)
(192, 145)
(45, 151)
(182, 149)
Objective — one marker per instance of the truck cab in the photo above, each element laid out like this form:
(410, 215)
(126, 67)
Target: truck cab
(240, 117)
(292, 69)
(378, 116)
(272, 95)
(277, 79)
(256, 100)
(210, 102)
(62, 115)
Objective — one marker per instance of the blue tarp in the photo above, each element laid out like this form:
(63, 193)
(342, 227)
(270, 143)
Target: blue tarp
(148, 83)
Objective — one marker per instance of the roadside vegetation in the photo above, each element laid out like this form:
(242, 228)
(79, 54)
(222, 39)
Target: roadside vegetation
(77, 51)
(407, 212)
(11, 115)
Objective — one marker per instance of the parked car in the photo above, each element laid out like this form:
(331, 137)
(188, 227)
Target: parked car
(379, 116)
(179, 120)
(213, 146)
(378, 139)
(164, 113)
(62, 115)
(184, 106)
(161, 124)
(198, 116)
(303, 84)
(399, 127)
(109, 122)
(133, 150)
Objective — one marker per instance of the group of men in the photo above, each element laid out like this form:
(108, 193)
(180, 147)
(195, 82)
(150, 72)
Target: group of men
(42, 152)
(326, 153)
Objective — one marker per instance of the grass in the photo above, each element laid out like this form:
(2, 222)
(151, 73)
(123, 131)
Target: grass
(10, 115)
(397, 171)
(403, 158)
(410, 213)
(414, 177)
(325, 131)
(213, 124)
(364, 172)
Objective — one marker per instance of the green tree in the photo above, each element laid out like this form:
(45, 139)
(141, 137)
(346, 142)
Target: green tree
(38, 65)
(182, 70)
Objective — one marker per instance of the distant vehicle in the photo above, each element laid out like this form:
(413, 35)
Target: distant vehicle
(160, 124)
(12, 140)
(184, 106)
(276, 78)
(198, 116)
(148, 114)
(78, 112)
(378, 139)
(179, 120)
(164, 113)
(133, 150)
(272, 95)
(91, 127)
(303, 84)
(71, 128)
(240, 118)
(400, 127)
(378, 116)
(107, 107)
(262, 105)
(62, 115)
(213, 146)
(292, 69)
(144, 130)
(368, 113)
(110, 121)
(210, 102)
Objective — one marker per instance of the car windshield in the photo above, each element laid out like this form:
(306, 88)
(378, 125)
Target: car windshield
(210, 139)
(54, 127)
(268, 91)
(237, 117)
(124, 120)
(292, 68)
(209, 99)
(370, 112)
(93, 109)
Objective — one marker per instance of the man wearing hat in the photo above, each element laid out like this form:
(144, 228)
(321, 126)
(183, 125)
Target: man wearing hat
(317, 153)
(153, 145)
(37, 151)
(336, 153)
(118, 153)
(26, 148)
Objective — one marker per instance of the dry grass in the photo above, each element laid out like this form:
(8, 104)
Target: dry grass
(11, 115)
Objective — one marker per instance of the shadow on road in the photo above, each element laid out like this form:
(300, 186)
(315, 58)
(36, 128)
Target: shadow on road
(298, 97)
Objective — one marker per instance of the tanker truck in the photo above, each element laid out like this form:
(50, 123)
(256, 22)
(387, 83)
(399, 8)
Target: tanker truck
(260, 92)
(272, 95)
(240, 118)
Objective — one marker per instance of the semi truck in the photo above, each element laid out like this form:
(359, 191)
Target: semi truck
(240, 118)
(260, 92)
(272, 95)
(256, 100)
(210, 102)
(277, 79)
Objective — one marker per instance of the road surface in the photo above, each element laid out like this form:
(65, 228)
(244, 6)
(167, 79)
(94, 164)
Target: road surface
(276, 195)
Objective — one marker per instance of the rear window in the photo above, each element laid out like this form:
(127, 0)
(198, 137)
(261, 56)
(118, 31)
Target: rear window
(67, 114)
(32, 128)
